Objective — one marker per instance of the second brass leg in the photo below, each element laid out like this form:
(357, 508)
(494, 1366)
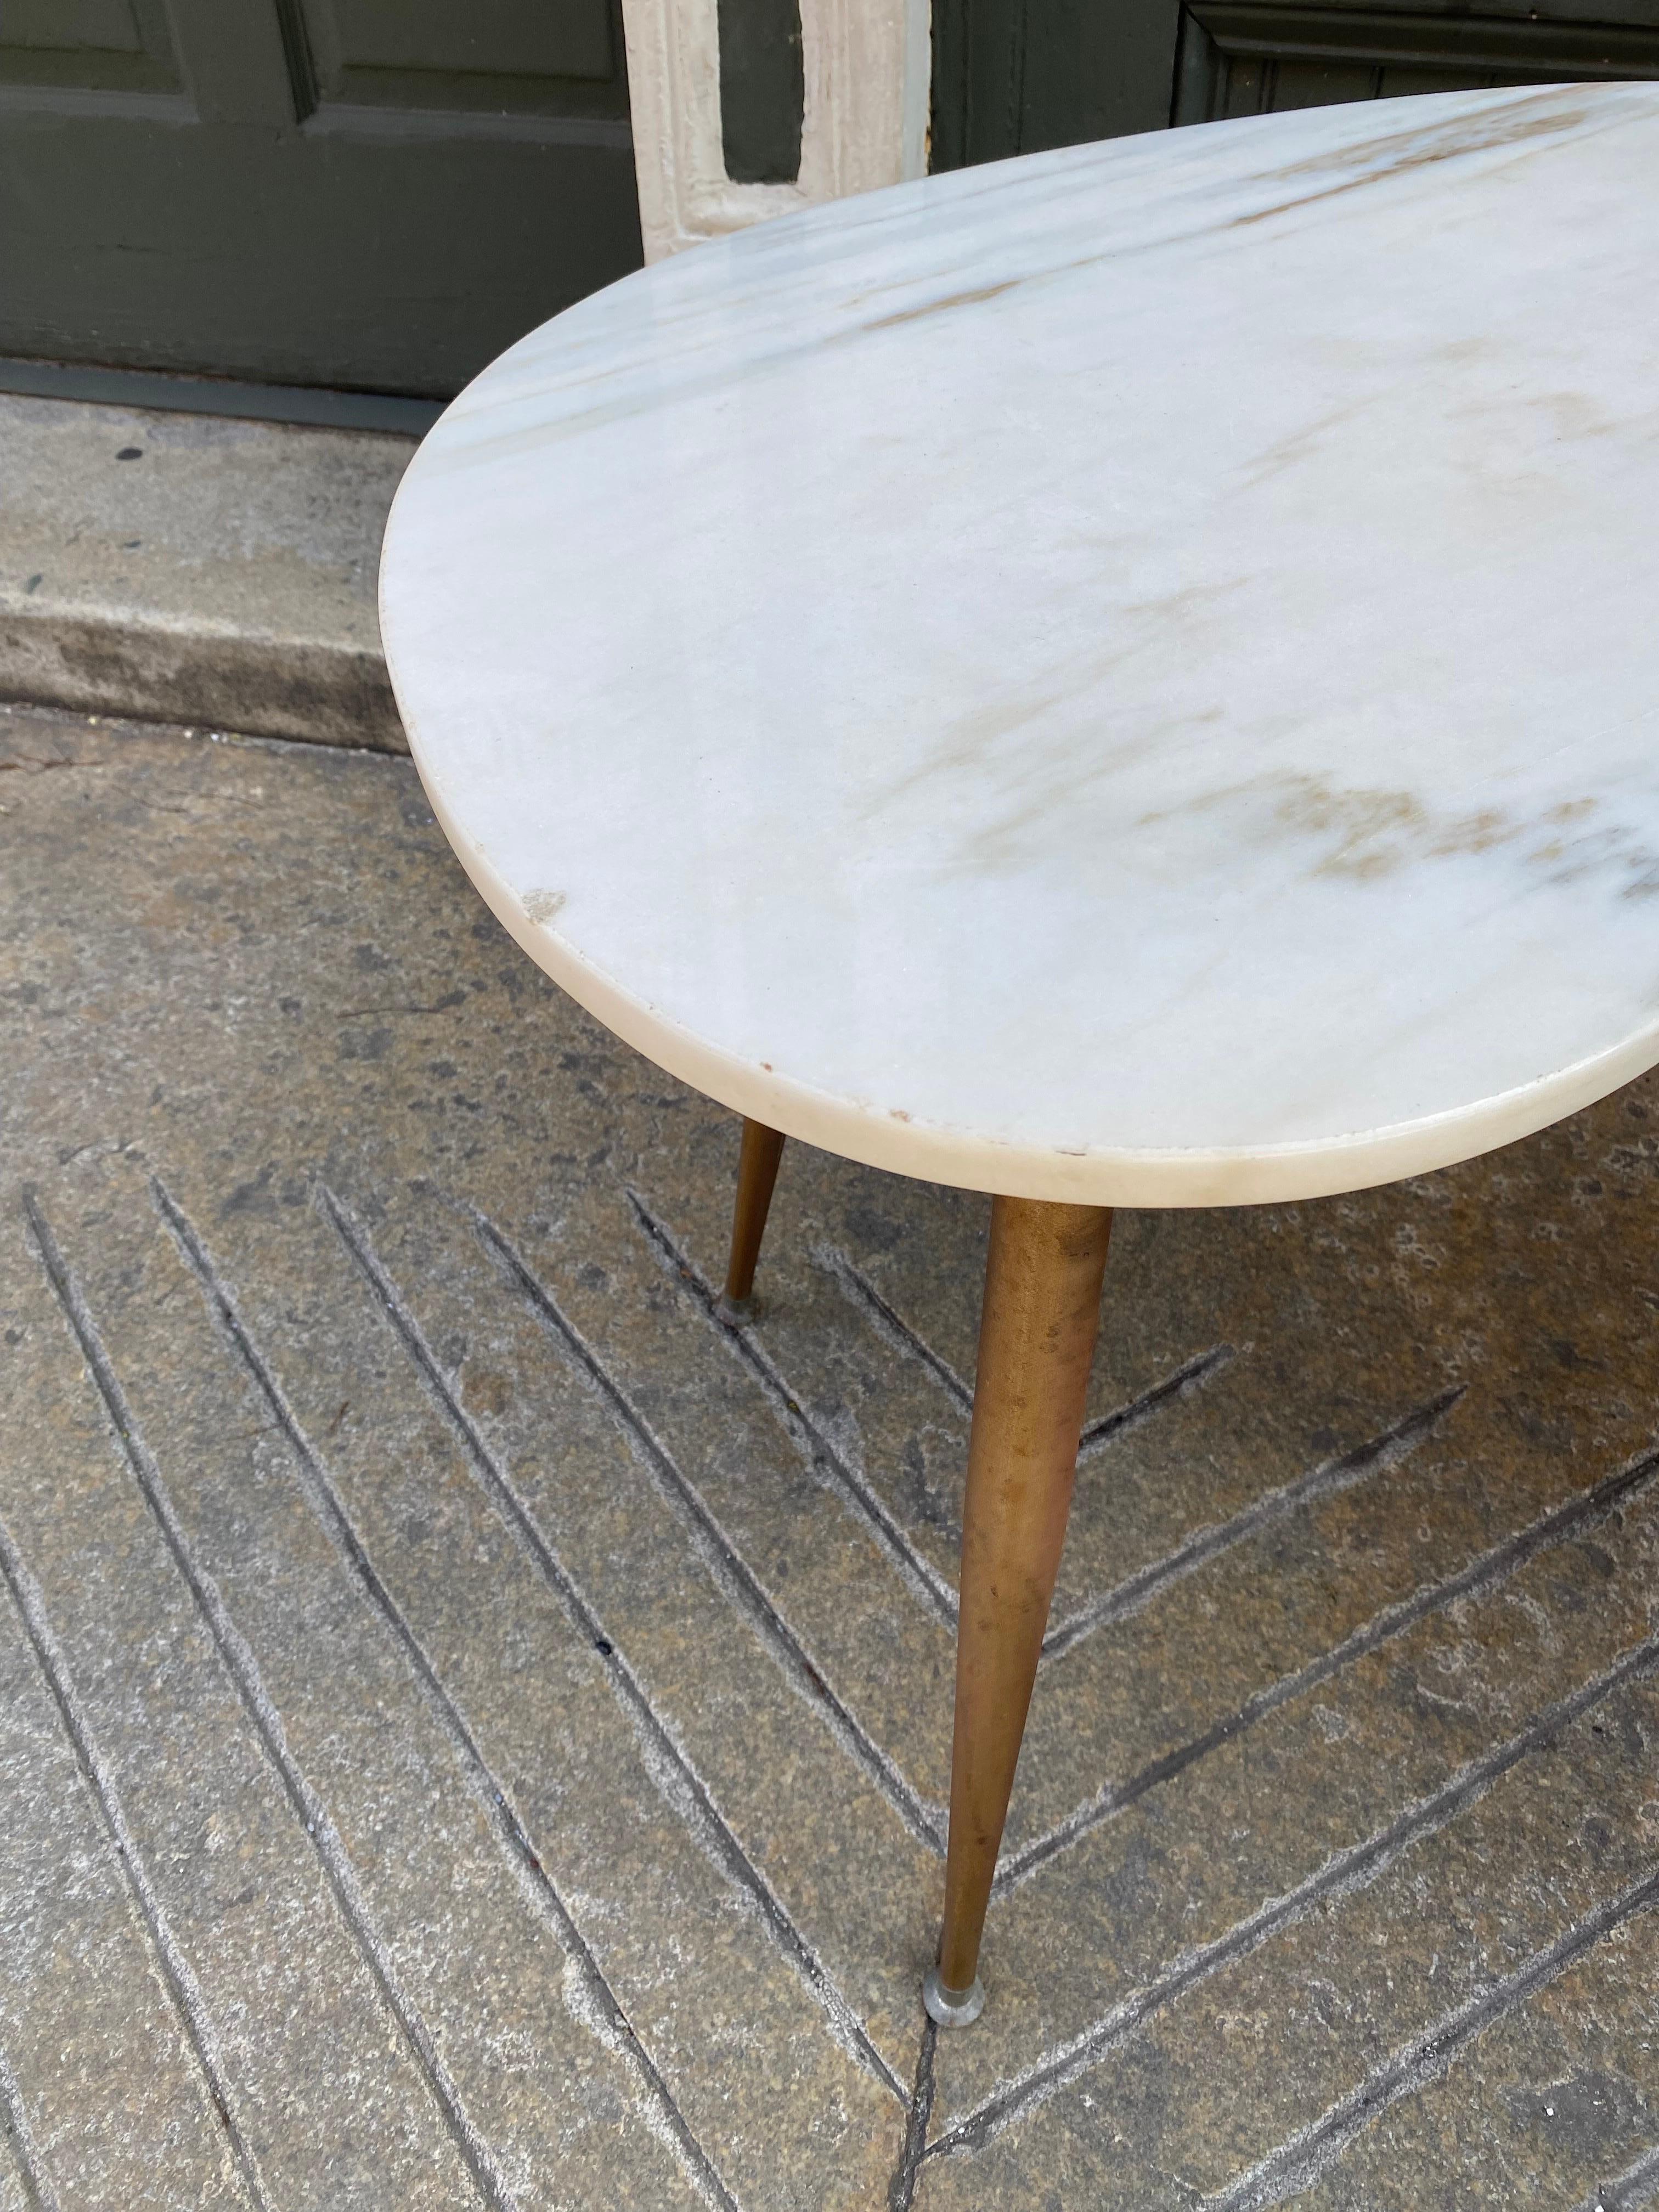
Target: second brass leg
(758, 1171)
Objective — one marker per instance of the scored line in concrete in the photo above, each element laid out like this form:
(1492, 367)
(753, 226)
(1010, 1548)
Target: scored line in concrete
(889, 1323)
(183, 1990)
(1483, 1572)
(240, 1663)
(918, 1573)
(1299, 2162)
(1354, 1867)
(1375, 1457)
(683, 1787)
(1137, 1590)
(731, 1573)
(902, 2189)
(1179, 1382)
(323, 1498)
(1638, 2184)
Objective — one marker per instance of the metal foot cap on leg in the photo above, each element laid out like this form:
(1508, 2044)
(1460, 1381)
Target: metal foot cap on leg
(736, 1313)
(952, 2007)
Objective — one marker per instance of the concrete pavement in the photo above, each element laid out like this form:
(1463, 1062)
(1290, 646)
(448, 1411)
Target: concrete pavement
(475, 1730)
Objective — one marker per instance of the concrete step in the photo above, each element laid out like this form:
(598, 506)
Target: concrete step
(193, 568)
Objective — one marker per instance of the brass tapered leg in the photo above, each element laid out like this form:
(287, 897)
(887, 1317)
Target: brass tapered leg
(757, 1170)
(1037, 1342)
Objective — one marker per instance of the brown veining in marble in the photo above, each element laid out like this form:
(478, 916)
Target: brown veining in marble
(1367, 833)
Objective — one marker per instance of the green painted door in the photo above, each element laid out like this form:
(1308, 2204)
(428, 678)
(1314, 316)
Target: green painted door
(1011, 76)
(370, 193)
(381, 194)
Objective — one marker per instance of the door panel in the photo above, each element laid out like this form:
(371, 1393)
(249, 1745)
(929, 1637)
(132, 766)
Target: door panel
(384, 193)
(1240, 58)
(1013, 75)
(434, 54)
(95, 45)
(370, 193)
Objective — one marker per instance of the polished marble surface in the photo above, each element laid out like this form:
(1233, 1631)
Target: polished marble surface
(1131, 674)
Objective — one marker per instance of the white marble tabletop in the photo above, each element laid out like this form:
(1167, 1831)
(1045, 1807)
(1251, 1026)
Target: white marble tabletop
(1129, 675)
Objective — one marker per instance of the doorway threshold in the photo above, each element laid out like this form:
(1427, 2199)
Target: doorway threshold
(173, 392)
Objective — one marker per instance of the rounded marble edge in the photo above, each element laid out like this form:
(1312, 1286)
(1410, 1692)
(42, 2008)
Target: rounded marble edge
(1266, 1175)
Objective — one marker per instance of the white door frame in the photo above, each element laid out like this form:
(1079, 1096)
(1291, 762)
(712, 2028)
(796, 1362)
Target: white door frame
(866, 64)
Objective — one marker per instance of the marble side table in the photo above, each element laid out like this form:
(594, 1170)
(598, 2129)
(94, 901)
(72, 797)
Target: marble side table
(1125, 677)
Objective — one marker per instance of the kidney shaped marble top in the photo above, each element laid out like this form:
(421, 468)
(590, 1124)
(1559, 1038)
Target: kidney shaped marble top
(1127, 675)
